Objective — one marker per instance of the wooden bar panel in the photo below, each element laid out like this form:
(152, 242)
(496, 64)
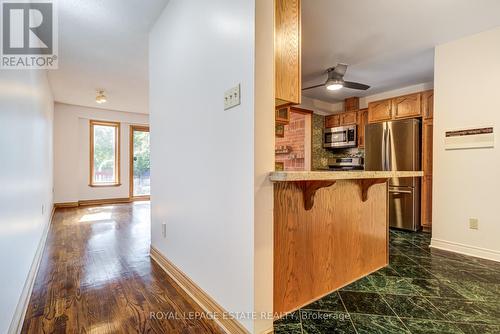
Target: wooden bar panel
(320, 250)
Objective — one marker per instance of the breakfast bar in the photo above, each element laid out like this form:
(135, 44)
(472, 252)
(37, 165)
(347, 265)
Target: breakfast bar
(330, 229)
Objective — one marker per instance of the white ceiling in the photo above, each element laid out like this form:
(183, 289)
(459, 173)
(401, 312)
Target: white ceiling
(104, 44)
(387, 43)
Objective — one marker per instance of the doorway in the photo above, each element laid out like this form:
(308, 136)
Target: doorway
(140, 182)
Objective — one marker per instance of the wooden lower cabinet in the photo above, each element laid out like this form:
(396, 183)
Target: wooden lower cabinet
(426, 210)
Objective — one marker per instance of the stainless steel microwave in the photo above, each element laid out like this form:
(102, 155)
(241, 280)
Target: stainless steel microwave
(340, 137)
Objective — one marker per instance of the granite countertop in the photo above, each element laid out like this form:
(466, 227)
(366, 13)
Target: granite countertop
(339, 175)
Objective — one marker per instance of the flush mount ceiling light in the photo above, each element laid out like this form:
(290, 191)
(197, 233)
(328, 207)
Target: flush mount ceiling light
(100, 98)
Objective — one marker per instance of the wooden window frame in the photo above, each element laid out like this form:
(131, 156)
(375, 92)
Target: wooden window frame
(116, 125)
(143, 128)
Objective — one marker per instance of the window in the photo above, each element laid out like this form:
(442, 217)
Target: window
(104, 154)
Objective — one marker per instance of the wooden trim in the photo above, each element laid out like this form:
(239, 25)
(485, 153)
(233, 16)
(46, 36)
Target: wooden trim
(104, 201)
(105, 185)
(17, 321)
(207, 303)
(66, 205)
(131, 160)
(116, 125)
(140, 198)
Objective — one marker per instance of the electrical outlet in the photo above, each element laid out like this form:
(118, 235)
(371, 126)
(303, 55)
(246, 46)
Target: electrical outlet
(474, 223)
(164, 229)
(232, 97)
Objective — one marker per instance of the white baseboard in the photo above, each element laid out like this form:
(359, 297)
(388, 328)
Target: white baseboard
(482, 253)
(16, 325)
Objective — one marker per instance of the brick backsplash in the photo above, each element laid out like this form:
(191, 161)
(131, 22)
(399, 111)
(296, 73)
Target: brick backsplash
(294, 139)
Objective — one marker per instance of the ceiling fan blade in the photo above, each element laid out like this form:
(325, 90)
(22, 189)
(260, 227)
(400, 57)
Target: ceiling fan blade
(340, 69)
(355, 85)
(313, 87)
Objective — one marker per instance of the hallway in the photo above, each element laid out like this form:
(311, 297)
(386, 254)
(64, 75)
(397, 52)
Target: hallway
(96, 276)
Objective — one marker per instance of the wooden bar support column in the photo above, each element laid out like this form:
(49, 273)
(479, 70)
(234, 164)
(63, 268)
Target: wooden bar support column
(365, 184)
(309, 189)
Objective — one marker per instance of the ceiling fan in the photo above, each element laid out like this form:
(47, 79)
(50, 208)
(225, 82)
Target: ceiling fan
(336, 80)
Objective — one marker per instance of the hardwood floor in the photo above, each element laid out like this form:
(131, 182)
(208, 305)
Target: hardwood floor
(96, 277)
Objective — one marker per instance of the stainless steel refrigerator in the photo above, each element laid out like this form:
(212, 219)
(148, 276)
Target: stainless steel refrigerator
(395, 146)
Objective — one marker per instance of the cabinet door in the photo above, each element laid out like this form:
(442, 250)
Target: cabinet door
(287, 52)
(427, 129)
(379, 111)
(407, 106)
(428, 104)
(362, 121)
(348, 118)
(332, 121)
(282, 115)
(351, 104)
(426, 202)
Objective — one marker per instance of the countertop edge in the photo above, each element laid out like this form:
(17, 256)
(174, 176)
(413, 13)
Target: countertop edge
(282, 176)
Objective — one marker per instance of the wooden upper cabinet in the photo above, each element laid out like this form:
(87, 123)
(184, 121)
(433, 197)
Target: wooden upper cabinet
(362, 121)
(332, 121)
(282, 115)
(287, 51)
(428, 104)
(407, 106)
(349, 118)
(379, 111)
(351, 104)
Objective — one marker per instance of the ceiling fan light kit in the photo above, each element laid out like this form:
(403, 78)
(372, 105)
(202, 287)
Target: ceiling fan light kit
(336, 80)
(334, 84)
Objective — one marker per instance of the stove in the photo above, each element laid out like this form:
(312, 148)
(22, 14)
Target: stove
(346, 163)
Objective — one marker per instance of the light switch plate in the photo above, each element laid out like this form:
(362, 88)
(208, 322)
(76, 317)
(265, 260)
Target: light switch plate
(232, 97)
(164, 230)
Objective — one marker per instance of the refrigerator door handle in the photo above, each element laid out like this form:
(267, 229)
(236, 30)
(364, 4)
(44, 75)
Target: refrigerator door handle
(389, 149)
(384, 146)
(401, 191)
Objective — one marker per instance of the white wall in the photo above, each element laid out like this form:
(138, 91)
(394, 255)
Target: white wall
(71, 152)
(26, 118)
(203, 182)
(466, 182)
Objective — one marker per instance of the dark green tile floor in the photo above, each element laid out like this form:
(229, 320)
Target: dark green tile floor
(421, 291)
